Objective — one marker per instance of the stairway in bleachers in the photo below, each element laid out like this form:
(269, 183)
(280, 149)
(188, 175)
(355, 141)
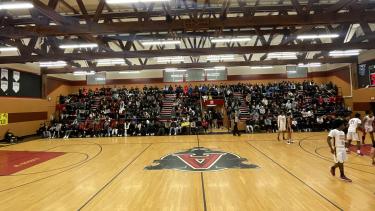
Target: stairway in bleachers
(96, 103)
(244, 108)
(167, 107)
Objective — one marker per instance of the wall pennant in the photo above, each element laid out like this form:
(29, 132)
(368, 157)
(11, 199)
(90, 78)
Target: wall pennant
(4, 74)
(16, 87)
(16, 76)
(4, 86)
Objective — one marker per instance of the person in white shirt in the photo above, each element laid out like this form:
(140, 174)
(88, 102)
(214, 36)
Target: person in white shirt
(281, 124)
(126, 128)
(304, 113)
(265, 101)
(368, 123)
(337, 143)
(289, 129)
(354, 125)
(288, 105)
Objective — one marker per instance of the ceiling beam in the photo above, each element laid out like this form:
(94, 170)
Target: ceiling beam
(198, 65)
(339, 5)
(175, 12)
(186, 52)
(53, 15)
(202, 24)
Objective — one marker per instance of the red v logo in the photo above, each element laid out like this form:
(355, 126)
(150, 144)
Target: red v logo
(200, 162)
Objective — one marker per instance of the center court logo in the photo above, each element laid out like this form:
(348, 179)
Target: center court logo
(200, 159)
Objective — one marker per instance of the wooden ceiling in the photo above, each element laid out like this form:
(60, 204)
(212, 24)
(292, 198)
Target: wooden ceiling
(118, 29)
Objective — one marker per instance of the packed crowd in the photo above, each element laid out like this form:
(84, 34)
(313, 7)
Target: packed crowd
(135, 112)
(312, 106)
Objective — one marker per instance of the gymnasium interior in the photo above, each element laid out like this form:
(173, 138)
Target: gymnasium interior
(175, 104)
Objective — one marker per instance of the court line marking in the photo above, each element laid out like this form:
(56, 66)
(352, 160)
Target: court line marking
(114, 177)
(289, 172)
(328, 160)
(49, 170)
(52, 175)
(204, 193)
(202, 182)
(326, 147)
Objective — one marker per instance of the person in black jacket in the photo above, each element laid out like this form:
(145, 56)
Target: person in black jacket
(10, 137)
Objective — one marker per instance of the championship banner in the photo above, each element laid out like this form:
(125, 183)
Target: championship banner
(16, 76)
(3, 118)
(4, 86)
(16, 87)
(4, 74)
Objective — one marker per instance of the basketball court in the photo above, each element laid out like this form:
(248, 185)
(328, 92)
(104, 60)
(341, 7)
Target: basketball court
(110, 174)
(101, 102)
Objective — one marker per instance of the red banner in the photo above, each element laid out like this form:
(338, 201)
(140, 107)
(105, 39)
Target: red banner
(213, 102)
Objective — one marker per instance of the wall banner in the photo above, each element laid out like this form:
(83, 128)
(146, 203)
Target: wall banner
(3, 118)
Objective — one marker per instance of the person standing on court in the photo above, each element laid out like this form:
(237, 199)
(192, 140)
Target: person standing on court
(235, 126)
(369, 122)
(337, 143)
(289, 129)
(281, 124)
(354, 125)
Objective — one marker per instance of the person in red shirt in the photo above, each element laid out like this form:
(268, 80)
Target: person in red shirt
(186, 89)
(321, 101)
(205, 125)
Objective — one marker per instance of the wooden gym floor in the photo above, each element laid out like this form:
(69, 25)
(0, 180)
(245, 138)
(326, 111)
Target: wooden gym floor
(108, 174)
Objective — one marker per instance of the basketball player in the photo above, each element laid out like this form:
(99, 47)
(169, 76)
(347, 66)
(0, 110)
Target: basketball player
(368, 121)
(281, 124)
(336, 142)
(354, 125)
(289, 128)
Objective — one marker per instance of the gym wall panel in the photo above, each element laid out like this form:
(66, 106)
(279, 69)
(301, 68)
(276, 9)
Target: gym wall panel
(27, 113)
(31, 112)
(364, 95)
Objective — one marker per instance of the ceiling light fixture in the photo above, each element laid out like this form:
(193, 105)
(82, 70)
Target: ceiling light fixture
(83, 73)
(230, 39)
(161, 42)
(53, 64)
(261, 67)
(170, 59)
(133, 1)
(110, 61)
(310, 65)
(344, 53)
(215, 68)
(83, 45)
(316, 36)
(8, 49)
(129, 72)
(220, 57)
(282, 55)
(171, 70)
(15, 5)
